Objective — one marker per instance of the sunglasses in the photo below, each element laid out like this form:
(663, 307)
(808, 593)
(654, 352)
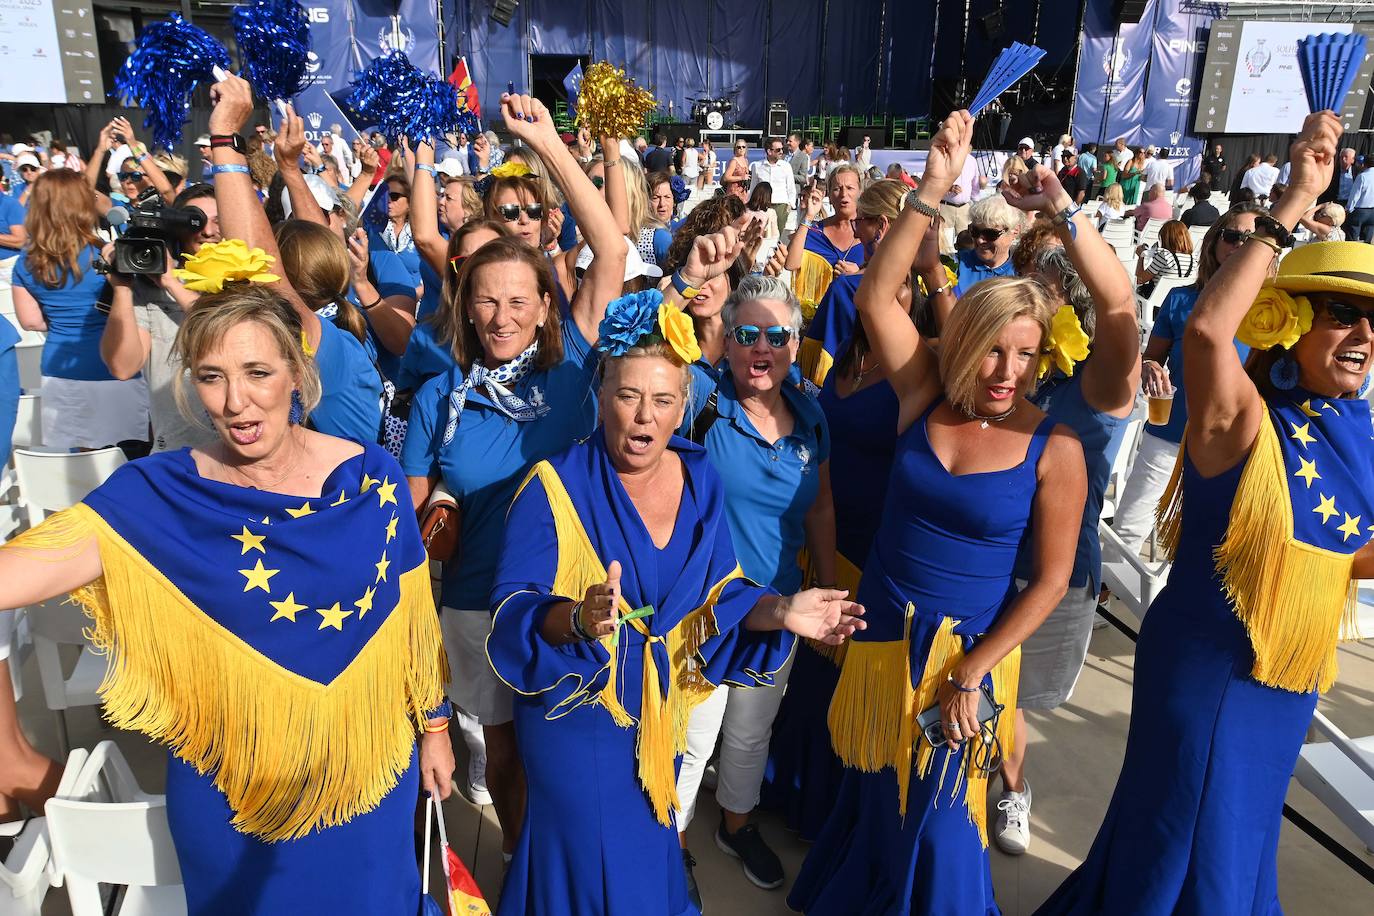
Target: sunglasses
(28, 168)
(746, 335)
(511, 212)
(740, 149)
(131, 176)
(1234, 236)
(986, 233)
(1345, 315)
(455, 263)
(398, 195)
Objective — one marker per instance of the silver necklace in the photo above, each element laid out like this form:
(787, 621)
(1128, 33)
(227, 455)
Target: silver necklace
(994, 418)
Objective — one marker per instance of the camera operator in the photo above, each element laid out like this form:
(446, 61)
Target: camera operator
(133, 169)
(145, 314)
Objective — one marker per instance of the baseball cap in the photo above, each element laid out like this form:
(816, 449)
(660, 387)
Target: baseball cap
(324, 195)
(203, 140)
(27, 159)
(1027, 142)
(449, 166)
(19, 148)
(635, 265)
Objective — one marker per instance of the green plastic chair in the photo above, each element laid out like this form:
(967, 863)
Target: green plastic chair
(815, 128)
(898, 132)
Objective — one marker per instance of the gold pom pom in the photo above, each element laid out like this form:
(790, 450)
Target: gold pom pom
(610, 104)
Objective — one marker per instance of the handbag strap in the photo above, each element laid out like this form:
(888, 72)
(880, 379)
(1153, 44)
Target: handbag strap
(424, 870)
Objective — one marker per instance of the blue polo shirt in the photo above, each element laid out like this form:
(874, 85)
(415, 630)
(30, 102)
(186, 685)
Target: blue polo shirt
(390, 278)
(409, 256)
(424, 358)
(351, 404)
(434, 290)
(9, 384)
(12, 214)
(72, 348)
(490, 454)
(971, 270)
(769, 486)
(1169, 324)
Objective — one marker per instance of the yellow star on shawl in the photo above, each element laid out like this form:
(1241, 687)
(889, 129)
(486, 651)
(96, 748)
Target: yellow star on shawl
(382, 564)
(391, 528)
(1327, 508)
(1351, 527)
(302, 511)
(333, 616)
(1301, 433)
(1307, 409)
(288, 608)
(368, 483)
(364, 604)
(266, 520)
(1327, 405)
(387, 493)
(1308, 471)
(250, 541)
(257, 577)
(343, 498)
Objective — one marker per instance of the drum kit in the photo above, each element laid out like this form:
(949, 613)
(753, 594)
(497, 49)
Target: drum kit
(713, 113)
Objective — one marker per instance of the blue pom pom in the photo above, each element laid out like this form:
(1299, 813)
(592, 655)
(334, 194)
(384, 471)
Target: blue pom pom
(274, 40)
(171, 58)
(400, 100)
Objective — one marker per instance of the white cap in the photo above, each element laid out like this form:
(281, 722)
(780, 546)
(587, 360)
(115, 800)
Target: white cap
(450, 166)
(1026, 142)
(27, 159)
(324, 195)
(19, 148)
(203, 140)
(635, 265)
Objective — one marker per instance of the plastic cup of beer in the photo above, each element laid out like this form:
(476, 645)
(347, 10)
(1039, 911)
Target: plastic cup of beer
(1161, 405)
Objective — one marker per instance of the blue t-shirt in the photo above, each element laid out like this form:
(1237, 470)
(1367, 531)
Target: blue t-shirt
(490, 454)
(1169, 324)
(662, 240)
(769, 486)
(72, 349)
(351, 403)
(9, 384)
(434, 290)
(409, 256)
(424, 358)
(12, 214)
(391, 278)
(971, 270)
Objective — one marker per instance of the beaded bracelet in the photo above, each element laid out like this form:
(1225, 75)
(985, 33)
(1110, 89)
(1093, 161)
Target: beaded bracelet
(575, 623)
(960, 687)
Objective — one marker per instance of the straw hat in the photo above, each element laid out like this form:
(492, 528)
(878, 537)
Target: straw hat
(1329, 267)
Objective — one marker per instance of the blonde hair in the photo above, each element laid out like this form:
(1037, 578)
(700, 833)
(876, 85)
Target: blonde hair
(842, 169)
(882, 198)
(658, 348)
(994, 212)
(1334, 212)
(538, 171)
(316, 263)
(1114, 197)
(204, 329)
(637, 198)
(472, 201)
(172, 164)
(1014, 165)
(976, 320)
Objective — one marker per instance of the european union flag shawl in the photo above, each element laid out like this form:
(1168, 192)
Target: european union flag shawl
(287, 647)
(570, 518)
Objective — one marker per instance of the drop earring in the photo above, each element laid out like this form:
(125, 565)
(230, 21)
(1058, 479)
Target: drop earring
(1284, 374)
(297, 414)
(1364, 387)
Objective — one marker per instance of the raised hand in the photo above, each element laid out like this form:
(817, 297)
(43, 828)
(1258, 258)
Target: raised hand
(751, 240)
(233, 101)
(1036, 190)
(777, 262)
(600, 605)
(553, 227)
(123, 128)
(358, 255)
(528, 119)
(711, 256)
(822, 614)
(290, 142)
(367, 158)
(948, 150)
(1313, 156)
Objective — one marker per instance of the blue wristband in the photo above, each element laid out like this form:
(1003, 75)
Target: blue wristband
(426, 167)
(231, 167)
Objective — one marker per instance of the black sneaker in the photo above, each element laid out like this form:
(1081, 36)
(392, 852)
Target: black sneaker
(693, 892)
(761, 864)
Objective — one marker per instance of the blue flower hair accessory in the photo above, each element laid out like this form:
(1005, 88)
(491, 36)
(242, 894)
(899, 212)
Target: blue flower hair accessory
(628, 319)
(680, 190)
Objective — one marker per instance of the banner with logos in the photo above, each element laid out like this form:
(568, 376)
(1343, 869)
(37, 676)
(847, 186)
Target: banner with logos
(1179, 36)
(1112, 65)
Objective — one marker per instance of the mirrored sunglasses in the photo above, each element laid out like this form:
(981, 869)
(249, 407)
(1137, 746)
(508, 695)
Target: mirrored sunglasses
(746, 335)
(511, 212)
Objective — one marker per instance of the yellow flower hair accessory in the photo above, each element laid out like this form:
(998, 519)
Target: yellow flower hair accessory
(1275, 319)
(678, 332)
(225, 262)
(510, 170)
(610, 104)
(1067, 346)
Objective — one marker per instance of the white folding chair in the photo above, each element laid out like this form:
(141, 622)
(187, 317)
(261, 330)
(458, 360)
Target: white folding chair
(49, 482)
(26, 874)
(1149, 308)
(1090, 207)
(1340, 773)
(1150, 234)
(1121, 464)
(1119, 234)
(28, 423)
(1131, 580)
(108, 831)
(30, 357)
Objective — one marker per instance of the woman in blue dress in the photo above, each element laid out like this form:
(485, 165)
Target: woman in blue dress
(521, 389)
(823, 249)
(978, 472)
(1267, 520)
(620, 606)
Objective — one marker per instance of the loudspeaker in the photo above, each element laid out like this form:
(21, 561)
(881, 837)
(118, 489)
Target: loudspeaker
(777, 122)
(851, 136)
(503, 11)
(992, 24)
(1131, 10)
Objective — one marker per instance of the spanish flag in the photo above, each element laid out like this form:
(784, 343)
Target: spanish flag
(461, 80)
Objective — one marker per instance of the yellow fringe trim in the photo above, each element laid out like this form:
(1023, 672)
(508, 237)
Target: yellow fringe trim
(811, 281)
(1294, 599)
(662, 725)
(873, 713)
(291, 755)
(847, 576)
(814, 362)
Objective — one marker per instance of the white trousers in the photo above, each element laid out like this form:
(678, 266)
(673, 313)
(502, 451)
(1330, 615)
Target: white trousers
(743, 718)
(1135, 514)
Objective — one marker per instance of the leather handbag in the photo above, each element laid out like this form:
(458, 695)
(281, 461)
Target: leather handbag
(441, 523)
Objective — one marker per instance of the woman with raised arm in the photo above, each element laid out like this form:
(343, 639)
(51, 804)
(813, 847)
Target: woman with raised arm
(1094, 303)
(927, 691)
(1267, 522)
(824, 248)
(521, 389)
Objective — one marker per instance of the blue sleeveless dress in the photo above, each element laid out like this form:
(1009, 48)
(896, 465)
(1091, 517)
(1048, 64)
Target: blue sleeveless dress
(803, 773)
(946, 549)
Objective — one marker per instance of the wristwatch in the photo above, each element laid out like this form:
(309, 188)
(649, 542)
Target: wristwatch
(234, 141)
(914, 202)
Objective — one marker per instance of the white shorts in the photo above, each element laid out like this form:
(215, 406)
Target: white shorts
(473, 685)
(82, 414)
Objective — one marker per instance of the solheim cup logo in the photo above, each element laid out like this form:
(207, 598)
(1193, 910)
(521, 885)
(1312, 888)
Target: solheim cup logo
(1258, 58)
(315, 119)
(312, 62)
(387, 40)
(1183, 87)
(1115, 62)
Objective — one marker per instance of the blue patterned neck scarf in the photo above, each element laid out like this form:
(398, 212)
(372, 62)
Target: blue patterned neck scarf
(497, 383)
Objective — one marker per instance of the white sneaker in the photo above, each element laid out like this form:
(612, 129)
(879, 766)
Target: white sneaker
(476, 789)
(1013, 822)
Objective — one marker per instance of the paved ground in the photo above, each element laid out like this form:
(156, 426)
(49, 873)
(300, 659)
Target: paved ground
(1075, 755)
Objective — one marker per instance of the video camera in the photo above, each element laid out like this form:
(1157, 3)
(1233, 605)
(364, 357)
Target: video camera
(153, 231)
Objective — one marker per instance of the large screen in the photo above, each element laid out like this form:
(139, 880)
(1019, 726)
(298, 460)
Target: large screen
(1251, 84)
(48, 52)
